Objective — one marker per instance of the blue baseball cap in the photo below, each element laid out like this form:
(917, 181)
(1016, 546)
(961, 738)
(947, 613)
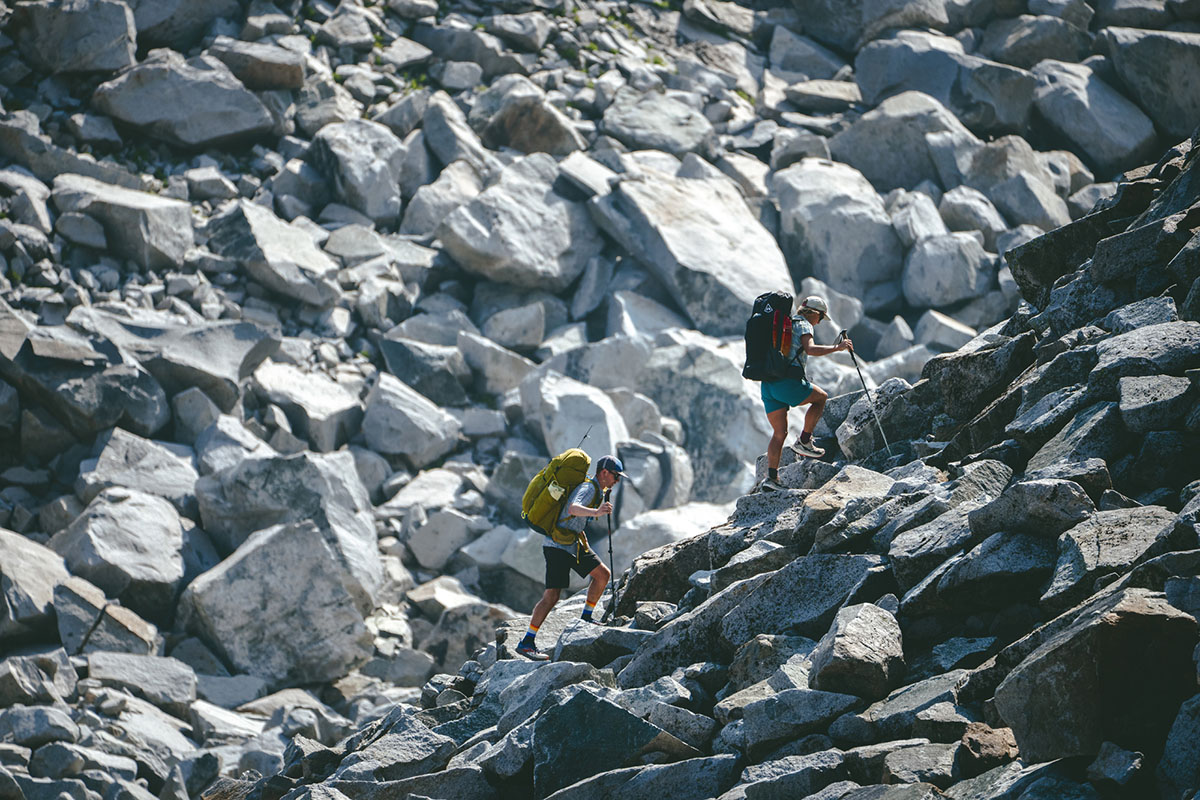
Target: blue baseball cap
(612, 464)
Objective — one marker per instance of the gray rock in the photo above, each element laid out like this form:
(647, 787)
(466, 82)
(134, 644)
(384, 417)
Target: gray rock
(177, 23)
(515, 113)
(1027, 40)
(38, 676)
(1147, 61)
(1153, 402)
(1179, 769)
(278, 255)
(690, 727)
(456, 39)
(894, 716)
(127, 460)
(363, 160)
(1170, 347)
(88, 622)
(1074, 101)
(30, 573)
(1004, 567)
(1107, 542)
(226, 443)
(791, 714)
(941, 332)
(565, 240)
(924, 764)
(218, 108)
(1041, 506)
(130, 544)
(34, 726)
(943, 270)
(457, 185)
(1106, 697)
(319, 408)
(92, 36)
(654, 121)
(168, 683)
(1114, 765)
(861, 655)
(986, 96)
(21, 140)
(557, 756)
(914, 553)
(833, 226)
(915, 217)
(680, 229)
(400, 421)
(907, 120)
(848, 27)
(1095, 432)
(402, 748)
(258, 65)
(151, 230)
(436, 371)
(791, 52)
(966, 209)
(307, 628)
(790, 776)
(782, 603)
(63, 760)
(1009, 172)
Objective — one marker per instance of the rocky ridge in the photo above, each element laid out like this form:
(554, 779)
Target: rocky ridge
(296, 298)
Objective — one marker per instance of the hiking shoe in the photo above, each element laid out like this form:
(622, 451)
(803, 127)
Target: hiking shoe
(530, 651)
(591, 619)
(810, 449)
(769, 485)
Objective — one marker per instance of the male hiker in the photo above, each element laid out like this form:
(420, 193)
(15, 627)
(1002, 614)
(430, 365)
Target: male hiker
(586, 502)
(779, 396)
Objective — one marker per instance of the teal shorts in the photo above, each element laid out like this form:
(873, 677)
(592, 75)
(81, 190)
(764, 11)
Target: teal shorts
(786, 393)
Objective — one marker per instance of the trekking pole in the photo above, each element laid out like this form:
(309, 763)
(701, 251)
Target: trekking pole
(610, 612)
(867, 392)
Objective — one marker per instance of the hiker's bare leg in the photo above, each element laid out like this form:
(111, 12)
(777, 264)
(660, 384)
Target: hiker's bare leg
(599, 576)
(816, 407)
(779, 424)
(542, 609)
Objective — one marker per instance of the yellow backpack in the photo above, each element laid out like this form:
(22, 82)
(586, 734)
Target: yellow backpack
(547, 493)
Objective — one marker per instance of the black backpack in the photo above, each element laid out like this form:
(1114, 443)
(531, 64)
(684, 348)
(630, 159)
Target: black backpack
(769, 339)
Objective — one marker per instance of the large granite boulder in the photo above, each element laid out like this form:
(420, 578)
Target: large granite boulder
(190, 103)
(154, 231)
(1118, 672)
(280, 608)
(88, 36)
(515, 113)
(363, 161)
(520, 231)
(652, 121)
(279, 255)
(700, 239)
(862, 654)
(130, 544)
(401, 421)
(320, 409)
(124, 459)
(1159, 69)
(29, 572)
(833, 225)
(564, 410)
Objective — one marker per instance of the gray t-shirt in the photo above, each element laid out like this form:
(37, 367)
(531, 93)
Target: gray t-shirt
(583, 495)
(800, 327)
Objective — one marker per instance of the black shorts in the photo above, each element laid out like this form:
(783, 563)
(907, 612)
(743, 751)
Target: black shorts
(559, 564)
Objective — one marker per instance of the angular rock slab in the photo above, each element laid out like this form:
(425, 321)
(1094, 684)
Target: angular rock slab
(405, 749)
(94, 36)
(801, 598)
(192, 103)
(166, 682)
(701, 240)
(651, 121)
(319, 408)
(563, 410)
(280, 256)
(1160, 69)
(279, 608)
(29, 573)
(1108, 542)
(520, 231)
(401, 421)
(363, 160)
(324, 489)
(151, 230)
(1118, 673)
(215, 357)
(128, 461)
(562, 757)
(130, 544)
(833, 225)
(862, 655)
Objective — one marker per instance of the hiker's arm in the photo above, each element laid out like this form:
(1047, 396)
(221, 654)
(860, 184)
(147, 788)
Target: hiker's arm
(576, 510)
(823, 349)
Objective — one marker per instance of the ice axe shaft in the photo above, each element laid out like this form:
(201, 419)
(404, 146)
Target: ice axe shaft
(867, 392)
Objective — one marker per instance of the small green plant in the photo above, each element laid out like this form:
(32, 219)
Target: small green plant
(742, 93)
(478, 26)
(339, 77)
(591, 47)
(657, 60)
